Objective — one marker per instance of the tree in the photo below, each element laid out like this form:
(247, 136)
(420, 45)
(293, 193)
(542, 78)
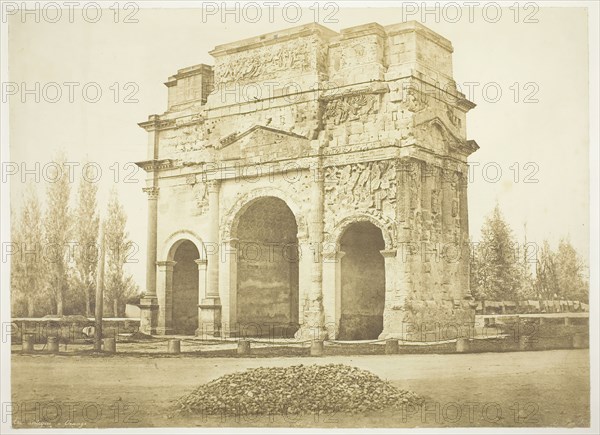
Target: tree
(546, 280)
(57, 224)
(86, 233)
(561, 274)
(528, 257)
(16, 268)
(28, 265)
(570, 273)
(118, 286)
(496, 269)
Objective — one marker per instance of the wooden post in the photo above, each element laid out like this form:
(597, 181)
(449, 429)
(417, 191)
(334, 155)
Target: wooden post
(462, 345)
(316, 348)
(99, 295)
(580, 341)
(391, 347)
(174, 346)
(110, 345)
(28, 340)
(243, 347)
(52, 344)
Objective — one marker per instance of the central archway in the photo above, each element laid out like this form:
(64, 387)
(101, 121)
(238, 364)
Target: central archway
(362, 282)
(267, 270)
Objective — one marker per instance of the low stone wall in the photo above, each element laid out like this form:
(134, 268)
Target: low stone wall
(542, 328)
(511, 344)
(563, 340)
(427, 349)
(68, 330)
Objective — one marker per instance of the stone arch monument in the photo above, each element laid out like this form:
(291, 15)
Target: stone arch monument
(320, 178)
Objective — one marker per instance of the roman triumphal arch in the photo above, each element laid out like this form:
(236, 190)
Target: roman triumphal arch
(311, 184)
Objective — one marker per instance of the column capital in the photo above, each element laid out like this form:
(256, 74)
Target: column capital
(201, 262)
(389, 253)
(212, 186)
(166, 264)
(302, 237)
(151, 191)
(335, 255)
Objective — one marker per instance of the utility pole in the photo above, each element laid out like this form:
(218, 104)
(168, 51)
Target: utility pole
(99, 294)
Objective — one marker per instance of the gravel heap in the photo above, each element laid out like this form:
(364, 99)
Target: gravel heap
(296, 389)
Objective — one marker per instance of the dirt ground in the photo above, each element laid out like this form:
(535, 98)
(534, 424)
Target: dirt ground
(522, 389)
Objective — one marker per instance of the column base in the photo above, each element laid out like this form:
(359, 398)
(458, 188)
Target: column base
(313, 327)
(429, 320)
(209, 318)
(149, 315)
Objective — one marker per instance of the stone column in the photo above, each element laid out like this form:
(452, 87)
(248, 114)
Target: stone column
(393, 296)
(332, 291)
(464, 235)
(312, 323)
(149, 303)
(228, 272)
(202, 263)
(451, 246)
(210, 306)
(468, 302)
(164, 294)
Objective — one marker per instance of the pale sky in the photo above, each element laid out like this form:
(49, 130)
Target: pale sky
(548, 58)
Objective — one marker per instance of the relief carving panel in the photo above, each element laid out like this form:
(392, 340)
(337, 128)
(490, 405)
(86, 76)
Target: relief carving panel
(350, 107)
(267, 62)
(361, 188)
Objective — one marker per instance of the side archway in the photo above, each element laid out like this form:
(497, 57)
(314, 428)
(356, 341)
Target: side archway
(362, 281)
(182, 280)
(359, 276)
(387, 227)
(178, 237)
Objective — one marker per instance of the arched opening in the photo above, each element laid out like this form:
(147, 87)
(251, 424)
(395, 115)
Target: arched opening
(267, 270)
(185, 289)
(362, 282)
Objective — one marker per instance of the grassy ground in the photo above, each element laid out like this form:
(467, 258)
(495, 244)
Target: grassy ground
(543, 389)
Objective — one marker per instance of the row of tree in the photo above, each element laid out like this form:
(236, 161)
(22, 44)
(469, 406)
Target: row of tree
(503, 269)
(55, 253)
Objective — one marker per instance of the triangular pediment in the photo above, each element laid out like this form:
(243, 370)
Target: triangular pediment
(436, 135)
(263, 141)
(257, 130)
(437, 124)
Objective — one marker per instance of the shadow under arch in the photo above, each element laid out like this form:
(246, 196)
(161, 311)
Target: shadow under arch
(183, 280)
(264, 283)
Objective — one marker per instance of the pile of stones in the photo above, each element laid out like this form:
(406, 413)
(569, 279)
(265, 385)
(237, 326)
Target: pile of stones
(299, 389)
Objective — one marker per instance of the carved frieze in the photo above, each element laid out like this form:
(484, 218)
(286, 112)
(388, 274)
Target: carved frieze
(361, 189)
(350, 107)
(199, 191)
(201, 197)
(414, 100)
(435, 201)
(368, 185)
(267, 61)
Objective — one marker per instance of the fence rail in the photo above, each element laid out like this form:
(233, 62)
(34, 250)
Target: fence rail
(530, 307)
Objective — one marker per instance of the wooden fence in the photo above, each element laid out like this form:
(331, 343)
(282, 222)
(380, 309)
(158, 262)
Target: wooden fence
(530, 306)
